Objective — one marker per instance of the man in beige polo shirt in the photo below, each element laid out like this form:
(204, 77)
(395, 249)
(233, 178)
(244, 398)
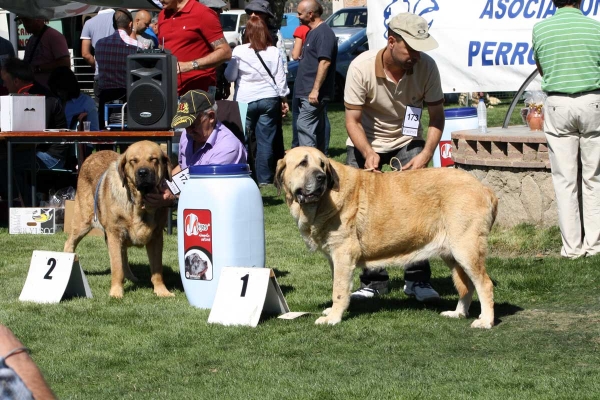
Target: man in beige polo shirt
(385, 93)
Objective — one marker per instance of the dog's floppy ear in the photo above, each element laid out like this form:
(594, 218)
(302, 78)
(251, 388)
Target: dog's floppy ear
(278, 181)
(333, 181)
(166, 165)
(121, 168)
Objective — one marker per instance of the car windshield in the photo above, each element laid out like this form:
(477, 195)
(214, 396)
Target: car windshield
(349, 18)
(228, 22)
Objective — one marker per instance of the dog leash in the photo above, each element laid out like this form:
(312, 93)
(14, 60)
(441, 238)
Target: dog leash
(96, 196)
(399, 168)
(399, 164)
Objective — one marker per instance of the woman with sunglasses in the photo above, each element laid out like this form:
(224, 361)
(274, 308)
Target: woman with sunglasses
(257, 69)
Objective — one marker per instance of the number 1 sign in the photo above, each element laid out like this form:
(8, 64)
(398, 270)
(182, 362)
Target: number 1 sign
(243, 294)
(52, 276)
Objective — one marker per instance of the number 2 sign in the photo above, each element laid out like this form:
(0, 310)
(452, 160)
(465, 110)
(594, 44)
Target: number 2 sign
(52, 276)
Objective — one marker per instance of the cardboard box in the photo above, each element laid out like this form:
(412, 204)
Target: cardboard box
(33, 220)
(22, 112)
(69, 209)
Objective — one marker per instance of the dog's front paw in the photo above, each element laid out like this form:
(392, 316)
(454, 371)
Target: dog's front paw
(163, 292)
(453, 314)
(116, 292)
(482, 324)
(328, 320)
(326, 311)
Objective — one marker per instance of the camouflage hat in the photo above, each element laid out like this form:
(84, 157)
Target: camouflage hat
(190, 106)
(414, 30)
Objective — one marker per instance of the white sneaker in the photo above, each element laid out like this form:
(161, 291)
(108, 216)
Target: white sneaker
(367, 293)
(421, 290)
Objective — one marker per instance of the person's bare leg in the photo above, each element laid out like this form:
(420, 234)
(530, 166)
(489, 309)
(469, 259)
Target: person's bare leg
(23, 365)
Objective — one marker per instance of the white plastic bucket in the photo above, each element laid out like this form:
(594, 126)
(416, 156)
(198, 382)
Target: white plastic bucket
(220, 224)
(457, 119)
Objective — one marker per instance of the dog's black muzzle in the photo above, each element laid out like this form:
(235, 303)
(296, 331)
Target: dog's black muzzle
(145, 180)
(315, 186)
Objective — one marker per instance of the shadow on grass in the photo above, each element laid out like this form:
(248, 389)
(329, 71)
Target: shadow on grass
(97, 273)
(335, 152)
(444, 286)
(285, 289)
(358, 308)
(142, 272)
(273, 200)
(279, 273)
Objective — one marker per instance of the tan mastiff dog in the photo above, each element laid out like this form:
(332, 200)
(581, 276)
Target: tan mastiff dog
(372, 220)
(110, 196)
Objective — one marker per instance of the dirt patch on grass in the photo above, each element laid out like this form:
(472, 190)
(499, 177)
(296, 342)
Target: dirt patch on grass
(524, 241)
(563, 321)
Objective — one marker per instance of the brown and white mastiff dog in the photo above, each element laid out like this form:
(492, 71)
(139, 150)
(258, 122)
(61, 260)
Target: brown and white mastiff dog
(110, 196)
(372, 220)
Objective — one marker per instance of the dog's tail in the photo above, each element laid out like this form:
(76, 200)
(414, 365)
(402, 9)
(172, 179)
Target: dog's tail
(493, 200)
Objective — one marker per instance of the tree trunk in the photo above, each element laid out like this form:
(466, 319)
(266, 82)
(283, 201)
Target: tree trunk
(277, 7)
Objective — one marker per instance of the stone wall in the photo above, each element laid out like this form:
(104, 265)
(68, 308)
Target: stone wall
(524, 196)
(514, 163)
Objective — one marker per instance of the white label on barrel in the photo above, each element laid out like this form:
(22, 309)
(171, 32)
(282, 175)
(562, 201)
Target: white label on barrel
(197, 244)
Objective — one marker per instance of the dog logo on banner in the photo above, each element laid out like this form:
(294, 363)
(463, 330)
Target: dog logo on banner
(423, 8)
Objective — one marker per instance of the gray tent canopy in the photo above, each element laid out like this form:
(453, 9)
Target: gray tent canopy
(56, 9)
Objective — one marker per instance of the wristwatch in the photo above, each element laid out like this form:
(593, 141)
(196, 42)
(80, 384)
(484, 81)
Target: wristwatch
(195, 65)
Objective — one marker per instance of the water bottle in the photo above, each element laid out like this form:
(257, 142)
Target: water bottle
(481, 116)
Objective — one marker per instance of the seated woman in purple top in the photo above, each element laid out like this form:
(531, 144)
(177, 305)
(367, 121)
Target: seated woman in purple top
(206, 141)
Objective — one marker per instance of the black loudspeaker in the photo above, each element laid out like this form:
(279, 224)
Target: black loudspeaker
(151, 90)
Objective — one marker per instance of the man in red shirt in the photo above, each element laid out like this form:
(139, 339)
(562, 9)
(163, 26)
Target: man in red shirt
(193, 33)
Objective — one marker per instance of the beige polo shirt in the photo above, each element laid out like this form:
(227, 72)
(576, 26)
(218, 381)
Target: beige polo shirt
(383, 103)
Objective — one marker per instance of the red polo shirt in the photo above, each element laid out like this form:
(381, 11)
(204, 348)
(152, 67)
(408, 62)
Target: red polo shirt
(188, 34)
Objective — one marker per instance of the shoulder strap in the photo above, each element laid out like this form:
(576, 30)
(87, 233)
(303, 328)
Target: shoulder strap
(265, 65)
(39, 38)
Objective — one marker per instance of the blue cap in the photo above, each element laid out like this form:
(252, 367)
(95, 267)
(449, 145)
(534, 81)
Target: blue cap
(226, 169)
(461, 112)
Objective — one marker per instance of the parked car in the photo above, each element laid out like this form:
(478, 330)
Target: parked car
(347, 51)
(347, 21)
(232, 21)
(289, 23)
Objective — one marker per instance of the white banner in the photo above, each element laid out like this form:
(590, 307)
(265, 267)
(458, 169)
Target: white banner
(485, 45)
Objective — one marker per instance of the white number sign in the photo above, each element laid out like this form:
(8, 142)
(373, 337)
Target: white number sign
(243, 294)
(179, 181)
(53, 276)
(412, 119)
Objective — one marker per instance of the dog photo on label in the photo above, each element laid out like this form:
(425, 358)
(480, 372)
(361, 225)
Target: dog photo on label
(362, 219)
(195, 267)
(110, 196)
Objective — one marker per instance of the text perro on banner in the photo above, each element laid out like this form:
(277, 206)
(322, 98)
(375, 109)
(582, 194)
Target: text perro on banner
(485, 45)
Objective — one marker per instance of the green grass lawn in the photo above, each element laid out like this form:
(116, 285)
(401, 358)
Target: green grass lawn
(545, 344)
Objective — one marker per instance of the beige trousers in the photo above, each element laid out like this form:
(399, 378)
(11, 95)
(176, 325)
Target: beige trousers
(572, 127)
